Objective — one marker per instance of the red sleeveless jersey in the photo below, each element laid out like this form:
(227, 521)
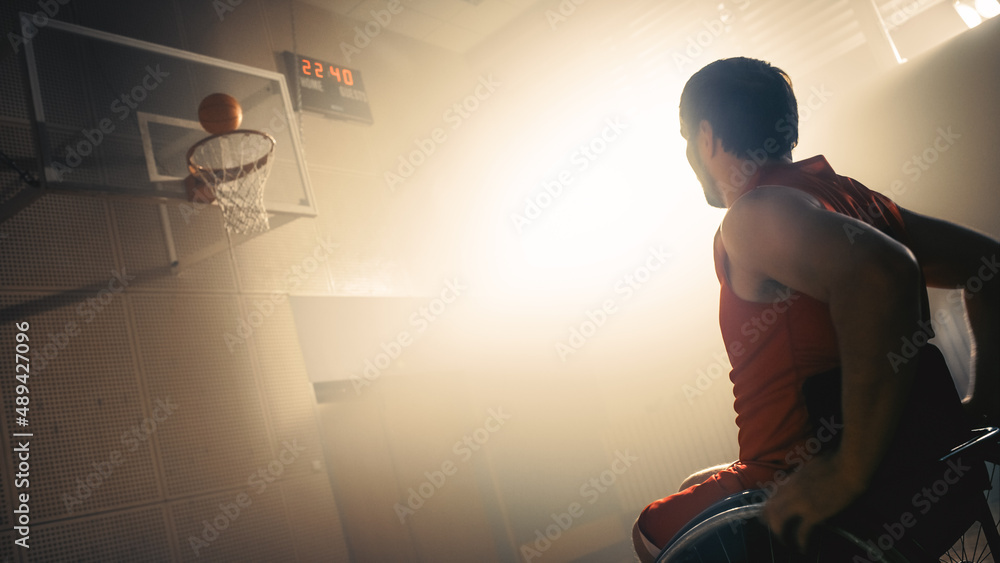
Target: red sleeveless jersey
(774, 347)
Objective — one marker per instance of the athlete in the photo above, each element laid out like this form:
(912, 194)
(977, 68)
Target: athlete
(838, 274)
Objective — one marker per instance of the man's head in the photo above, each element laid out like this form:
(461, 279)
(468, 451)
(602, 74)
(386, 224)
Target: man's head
(748, 110)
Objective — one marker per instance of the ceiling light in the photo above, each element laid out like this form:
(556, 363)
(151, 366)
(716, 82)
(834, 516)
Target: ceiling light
(969, 14)
(988, 8)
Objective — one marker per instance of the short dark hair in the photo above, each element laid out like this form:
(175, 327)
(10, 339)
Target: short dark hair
(747, 101)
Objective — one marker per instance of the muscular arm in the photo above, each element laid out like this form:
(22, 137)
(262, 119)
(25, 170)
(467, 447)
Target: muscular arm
(955, 257)
(871, 285)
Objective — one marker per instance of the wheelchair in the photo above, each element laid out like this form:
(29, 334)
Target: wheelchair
(732, 531)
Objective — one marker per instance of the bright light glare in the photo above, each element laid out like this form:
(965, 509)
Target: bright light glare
(988, 8)
(642, 192)
(969, 14)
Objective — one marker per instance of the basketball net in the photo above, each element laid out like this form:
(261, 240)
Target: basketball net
(235, 167)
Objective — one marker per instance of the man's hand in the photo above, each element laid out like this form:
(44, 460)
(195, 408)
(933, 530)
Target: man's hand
(955, 257)
(816, 492)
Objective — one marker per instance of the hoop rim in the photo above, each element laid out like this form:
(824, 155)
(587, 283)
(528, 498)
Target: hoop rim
(236, 172)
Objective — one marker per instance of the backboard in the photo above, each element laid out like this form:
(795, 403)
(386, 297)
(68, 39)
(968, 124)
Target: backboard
(118, 115)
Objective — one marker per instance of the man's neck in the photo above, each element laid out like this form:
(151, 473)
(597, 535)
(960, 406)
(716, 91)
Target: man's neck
(742, 175)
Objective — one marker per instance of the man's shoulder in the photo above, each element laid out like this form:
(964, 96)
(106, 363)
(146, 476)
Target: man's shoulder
(770, 198)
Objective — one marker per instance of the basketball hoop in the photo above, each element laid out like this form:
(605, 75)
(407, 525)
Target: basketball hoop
(235, 166)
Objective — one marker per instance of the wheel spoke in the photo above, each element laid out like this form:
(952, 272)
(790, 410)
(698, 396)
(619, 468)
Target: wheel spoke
(770, 543)
(743, 536)
(979, 533)
(722, 544)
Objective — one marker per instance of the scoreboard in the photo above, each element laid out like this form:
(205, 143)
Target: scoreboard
(327, 88)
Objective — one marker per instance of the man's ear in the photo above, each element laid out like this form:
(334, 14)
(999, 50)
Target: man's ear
(707, 136)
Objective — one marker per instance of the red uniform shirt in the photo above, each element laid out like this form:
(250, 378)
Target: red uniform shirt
(773, 347)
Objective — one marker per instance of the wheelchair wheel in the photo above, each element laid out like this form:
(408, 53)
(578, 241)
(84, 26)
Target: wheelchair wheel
(973, 547)
(738, 535)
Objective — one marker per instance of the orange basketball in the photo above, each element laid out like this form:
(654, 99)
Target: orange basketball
(220, 113)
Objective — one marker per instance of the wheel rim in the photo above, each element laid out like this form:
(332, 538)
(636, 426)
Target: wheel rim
(738, 535)
(972, 547)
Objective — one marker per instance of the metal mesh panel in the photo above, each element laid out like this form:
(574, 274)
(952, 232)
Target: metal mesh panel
(218, 436)
(17, 143)
(13, 91)
(93, 87)
(8, 551)
(314, 519)
(90, 395)
(81, 159)
(66, 65)
(285, 260)
(10, 184)
(258, 532)
(286, 388)
(281, 184)
(129, 171)
(39, 238)
(82, 460)
(7, 491)
(359, 267)
(356, 157)
(144, 247)
(135, 535)
(151, 21)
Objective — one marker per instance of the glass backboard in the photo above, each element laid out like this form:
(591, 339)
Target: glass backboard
(118, 115)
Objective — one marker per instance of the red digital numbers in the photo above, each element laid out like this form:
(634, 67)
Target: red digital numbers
(315, 68)
(343, 75)
(317, 71)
